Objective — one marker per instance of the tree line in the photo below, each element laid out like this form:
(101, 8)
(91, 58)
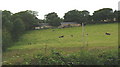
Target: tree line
(99, 16)
(14, 25)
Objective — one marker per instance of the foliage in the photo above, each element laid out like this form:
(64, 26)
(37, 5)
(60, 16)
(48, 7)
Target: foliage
(81, 58)
(28, 17)
(68, 47)
(103, 14)
(72, 16)
(13, 25)
(53, 19)
(6, 29)
(117, 15)
(18, 28)
(6, 38)
(76, 16)
(99, 16)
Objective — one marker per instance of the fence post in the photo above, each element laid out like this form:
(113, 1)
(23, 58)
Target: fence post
(83, 34)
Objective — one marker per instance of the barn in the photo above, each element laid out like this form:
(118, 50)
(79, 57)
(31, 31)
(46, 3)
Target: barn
(69, 24)
(42, 26)
(36, 27)
(45, 25)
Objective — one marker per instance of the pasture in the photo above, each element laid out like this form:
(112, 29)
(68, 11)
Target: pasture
(44, 41)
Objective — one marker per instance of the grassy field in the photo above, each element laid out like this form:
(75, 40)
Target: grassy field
(43, 41)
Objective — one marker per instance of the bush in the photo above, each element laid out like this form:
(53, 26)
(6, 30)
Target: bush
(81, 58)
(6, 39)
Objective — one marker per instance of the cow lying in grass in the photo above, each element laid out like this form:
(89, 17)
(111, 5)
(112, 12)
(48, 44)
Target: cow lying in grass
(107, 33)
(61, 36)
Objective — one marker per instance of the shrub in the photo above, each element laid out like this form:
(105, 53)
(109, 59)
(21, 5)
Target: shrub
(81, 58)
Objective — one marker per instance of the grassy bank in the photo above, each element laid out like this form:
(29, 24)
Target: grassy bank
(41, 42)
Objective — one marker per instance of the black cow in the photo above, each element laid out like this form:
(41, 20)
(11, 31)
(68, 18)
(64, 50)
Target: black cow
(61, 36)
(107, 33)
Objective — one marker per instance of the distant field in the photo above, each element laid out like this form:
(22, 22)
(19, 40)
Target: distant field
(43, 41)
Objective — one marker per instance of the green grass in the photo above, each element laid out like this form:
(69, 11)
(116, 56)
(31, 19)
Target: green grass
(39, 38)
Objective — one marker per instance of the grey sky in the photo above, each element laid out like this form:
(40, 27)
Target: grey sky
(58, 6)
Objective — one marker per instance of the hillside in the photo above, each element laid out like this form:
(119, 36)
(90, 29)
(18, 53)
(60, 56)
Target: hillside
(43, 41)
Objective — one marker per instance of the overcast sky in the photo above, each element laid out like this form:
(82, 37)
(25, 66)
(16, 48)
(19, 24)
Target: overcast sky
(58, 6)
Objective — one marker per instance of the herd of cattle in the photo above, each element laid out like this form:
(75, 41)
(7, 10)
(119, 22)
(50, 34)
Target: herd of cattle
(62, 36)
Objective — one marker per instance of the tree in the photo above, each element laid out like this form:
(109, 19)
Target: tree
(41, 21)
(53, 19)
(72, 16)
(7, 26)
(28, 17)
(84, 16)
(117, 15)
(6, 20)
(18, 28)
(103, 14)
(76, 16)
(13, 25)
(6, 38)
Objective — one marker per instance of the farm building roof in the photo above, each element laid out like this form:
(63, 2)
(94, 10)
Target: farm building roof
(69, 23)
